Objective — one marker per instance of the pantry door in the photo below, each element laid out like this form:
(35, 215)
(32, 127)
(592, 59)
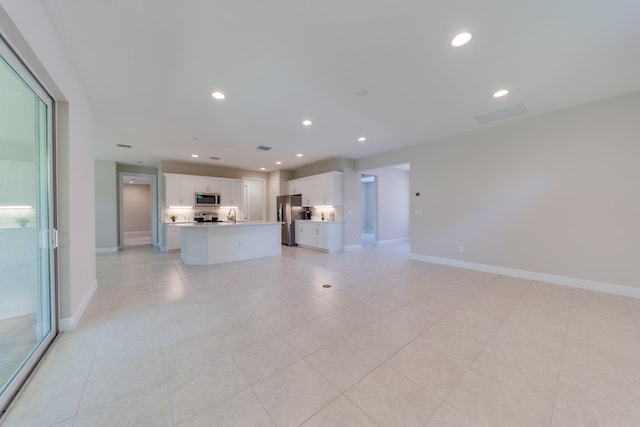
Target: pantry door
(27, 235)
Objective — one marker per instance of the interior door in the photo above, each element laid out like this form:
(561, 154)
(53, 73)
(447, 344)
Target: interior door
(27, 235)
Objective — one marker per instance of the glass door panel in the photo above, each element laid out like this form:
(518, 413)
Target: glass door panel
(26, 269)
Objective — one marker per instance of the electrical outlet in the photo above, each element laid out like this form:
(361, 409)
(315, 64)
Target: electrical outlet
(460, 248)
(418, 211)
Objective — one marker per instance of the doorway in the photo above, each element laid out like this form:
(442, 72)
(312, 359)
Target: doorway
(253, 199)
(28, 238)
(136, 196)
(369, 193)
(138, 224)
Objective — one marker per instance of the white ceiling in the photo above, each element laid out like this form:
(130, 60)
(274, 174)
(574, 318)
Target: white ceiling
(149, 67)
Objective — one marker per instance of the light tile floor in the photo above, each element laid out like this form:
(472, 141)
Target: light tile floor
(137, 238)
(393, 342)
(17, 340)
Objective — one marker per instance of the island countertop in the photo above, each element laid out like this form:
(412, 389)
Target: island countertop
(219, 242)
(222, 224)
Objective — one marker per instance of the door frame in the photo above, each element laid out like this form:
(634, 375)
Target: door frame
(245, 196)
(48, 238)
(155, 235)
(376, 227)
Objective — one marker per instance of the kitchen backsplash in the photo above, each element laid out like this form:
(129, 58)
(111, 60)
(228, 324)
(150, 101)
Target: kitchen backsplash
(186, 214)
(330, 214)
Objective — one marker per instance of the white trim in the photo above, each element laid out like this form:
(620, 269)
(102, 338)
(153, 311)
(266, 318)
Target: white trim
(353, 247)
(69, 323)
(106, 250)
(386, 242)
(245, 209)
(574, 282)
(155, 207)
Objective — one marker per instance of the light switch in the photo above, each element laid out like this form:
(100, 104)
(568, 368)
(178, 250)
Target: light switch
(418, 211)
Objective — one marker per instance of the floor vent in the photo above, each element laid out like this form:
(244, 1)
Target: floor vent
(123, 146)
(503, 113)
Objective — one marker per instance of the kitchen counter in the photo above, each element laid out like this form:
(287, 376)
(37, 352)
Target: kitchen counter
(317, 220)
(220, 242)
(223, 224)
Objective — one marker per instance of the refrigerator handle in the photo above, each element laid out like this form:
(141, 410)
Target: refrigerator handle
(280, 211)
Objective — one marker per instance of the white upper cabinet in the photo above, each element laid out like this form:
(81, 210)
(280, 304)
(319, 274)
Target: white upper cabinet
(207, 184)
(328, 189)
(179, 190)
(231, 192)
(319, 190)
(301, 186)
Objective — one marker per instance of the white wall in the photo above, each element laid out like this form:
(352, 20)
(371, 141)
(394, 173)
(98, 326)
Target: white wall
(556, 193)
(137, 207)
(25, 24)
(106, 206)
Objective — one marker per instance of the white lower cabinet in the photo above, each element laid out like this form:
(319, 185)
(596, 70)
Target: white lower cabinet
(320, 235)
(173, 237)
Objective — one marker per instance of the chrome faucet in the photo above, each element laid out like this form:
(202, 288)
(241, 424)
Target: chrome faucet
(234, 214)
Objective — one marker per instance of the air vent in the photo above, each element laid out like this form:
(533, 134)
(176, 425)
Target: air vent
(214, 158)
(264, 148)
(123, 146)
(503, 113)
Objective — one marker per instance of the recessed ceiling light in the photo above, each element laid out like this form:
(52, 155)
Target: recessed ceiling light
(461, 39)
(130, 182)
(278, 163)
(299, 155)
(307, 122)
(500, 93)
(195, 155)
(362, 139)
(218, 95)
(263, 169)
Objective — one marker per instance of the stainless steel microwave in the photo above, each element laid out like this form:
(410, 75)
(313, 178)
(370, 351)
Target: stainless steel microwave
(207, 199)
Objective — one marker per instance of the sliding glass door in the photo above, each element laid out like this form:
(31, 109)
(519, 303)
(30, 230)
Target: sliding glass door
(27, 237)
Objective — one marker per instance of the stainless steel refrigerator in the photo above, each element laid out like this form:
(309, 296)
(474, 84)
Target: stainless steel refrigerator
(289, 209)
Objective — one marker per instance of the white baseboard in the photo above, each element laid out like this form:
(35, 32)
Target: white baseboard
(106, 250)
(352, 247)
(388, 241)
(69, 323)
(591, 285)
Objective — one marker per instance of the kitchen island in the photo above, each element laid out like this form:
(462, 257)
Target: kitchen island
(217, 243)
